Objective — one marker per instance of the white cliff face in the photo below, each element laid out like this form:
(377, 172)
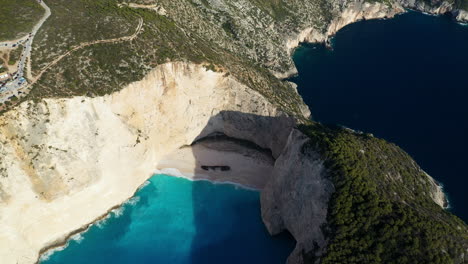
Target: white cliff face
(298, 174)
(354, 12)
(362, 10)
(357, 11)
(462, 16)
(442, 7)
(437, 193)
(66, 162)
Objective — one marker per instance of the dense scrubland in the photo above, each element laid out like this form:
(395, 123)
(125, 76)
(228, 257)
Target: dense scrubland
(382, 211)
(104, 68)
(17, 17)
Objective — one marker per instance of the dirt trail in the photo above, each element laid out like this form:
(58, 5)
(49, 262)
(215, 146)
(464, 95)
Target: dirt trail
(87, 44)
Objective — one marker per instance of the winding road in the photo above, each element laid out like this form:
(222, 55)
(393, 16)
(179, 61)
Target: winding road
(19, 85)
(86, 44)
(13, 87)
(34, 31)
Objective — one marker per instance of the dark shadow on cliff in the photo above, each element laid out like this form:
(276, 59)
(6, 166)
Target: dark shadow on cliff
(234, 232)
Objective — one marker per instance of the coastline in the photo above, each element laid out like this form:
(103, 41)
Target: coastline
(352, 14)
(64, 241)
(118, 141)
(182, 163)
(312, 36)
(173, 172)
(84, 228)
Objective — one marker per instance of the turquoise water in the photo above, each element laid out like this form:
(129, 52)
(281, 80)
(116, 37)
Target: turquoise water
(173, 220)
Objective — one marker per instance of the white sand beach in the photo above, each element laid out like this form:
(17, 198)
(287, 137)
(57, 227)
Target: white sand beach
(66, 162)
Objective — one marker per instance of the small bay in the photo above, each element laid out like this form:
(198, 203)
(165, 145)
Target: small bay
(174, 220)
(404, 80)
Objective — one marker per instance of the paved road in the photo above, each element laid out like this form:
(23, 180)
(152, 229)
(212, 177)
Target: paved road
(34, 31)
(19, 82)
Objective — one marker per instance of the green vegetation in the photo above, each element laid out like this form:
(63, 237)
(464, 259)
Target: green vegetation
(461, 4)
(228, 27)
(15, 55)
(276, 8)
(75, 22)
(17, 17)
(105, 68)
(381, 210)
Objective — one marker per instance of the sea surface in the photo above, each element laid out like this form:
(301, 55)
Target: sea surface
(177, 221)
(403, 79)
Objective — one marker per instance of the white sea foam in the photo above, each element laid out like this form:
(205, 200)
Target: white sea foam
(146, 183)
(133, 200)
(77, 237)
(46, 255)
(118, 211)
(191, 177)
(102, 222)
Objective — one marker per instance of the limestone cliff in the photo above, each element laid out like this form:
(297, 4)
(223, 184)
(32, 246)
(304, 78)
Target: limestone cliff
(65, 162)
(354, 12)
(298, 175)
(250, 39)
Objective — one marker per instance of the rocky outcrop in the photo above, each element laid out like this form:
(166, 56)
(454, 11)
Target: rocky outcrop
(65, 162)
(362, 11)
(461, 15)
(437, 8)
(296, 198)
(354, 12)
(436, 192)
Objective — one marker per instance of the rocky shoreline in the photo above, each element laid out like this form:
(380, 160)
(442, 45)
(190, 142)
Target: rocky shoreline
(66, 152)
(359, 11)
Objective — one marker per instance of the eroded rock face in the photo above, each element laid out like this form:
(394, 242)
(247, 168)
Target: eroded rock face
(437, 193)
(296, 198)
(362, 10)
(58, 155)
(462, 15)
(66, 162)
(267, 31)
(353, 12)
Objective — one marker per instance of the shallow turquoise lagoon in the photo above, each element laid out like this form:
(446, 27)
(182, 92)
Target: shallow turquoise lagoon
(173, 220)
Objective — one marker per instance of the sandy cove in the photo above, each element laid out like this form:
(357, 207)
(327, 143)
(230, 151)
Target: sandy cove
(65, 162)
(249, 169)
(247, 166)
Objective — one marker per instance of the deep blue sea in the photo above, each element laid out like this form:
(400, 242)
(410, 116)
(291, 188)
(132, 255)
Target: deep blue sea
(173, 220)
(405, 80)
